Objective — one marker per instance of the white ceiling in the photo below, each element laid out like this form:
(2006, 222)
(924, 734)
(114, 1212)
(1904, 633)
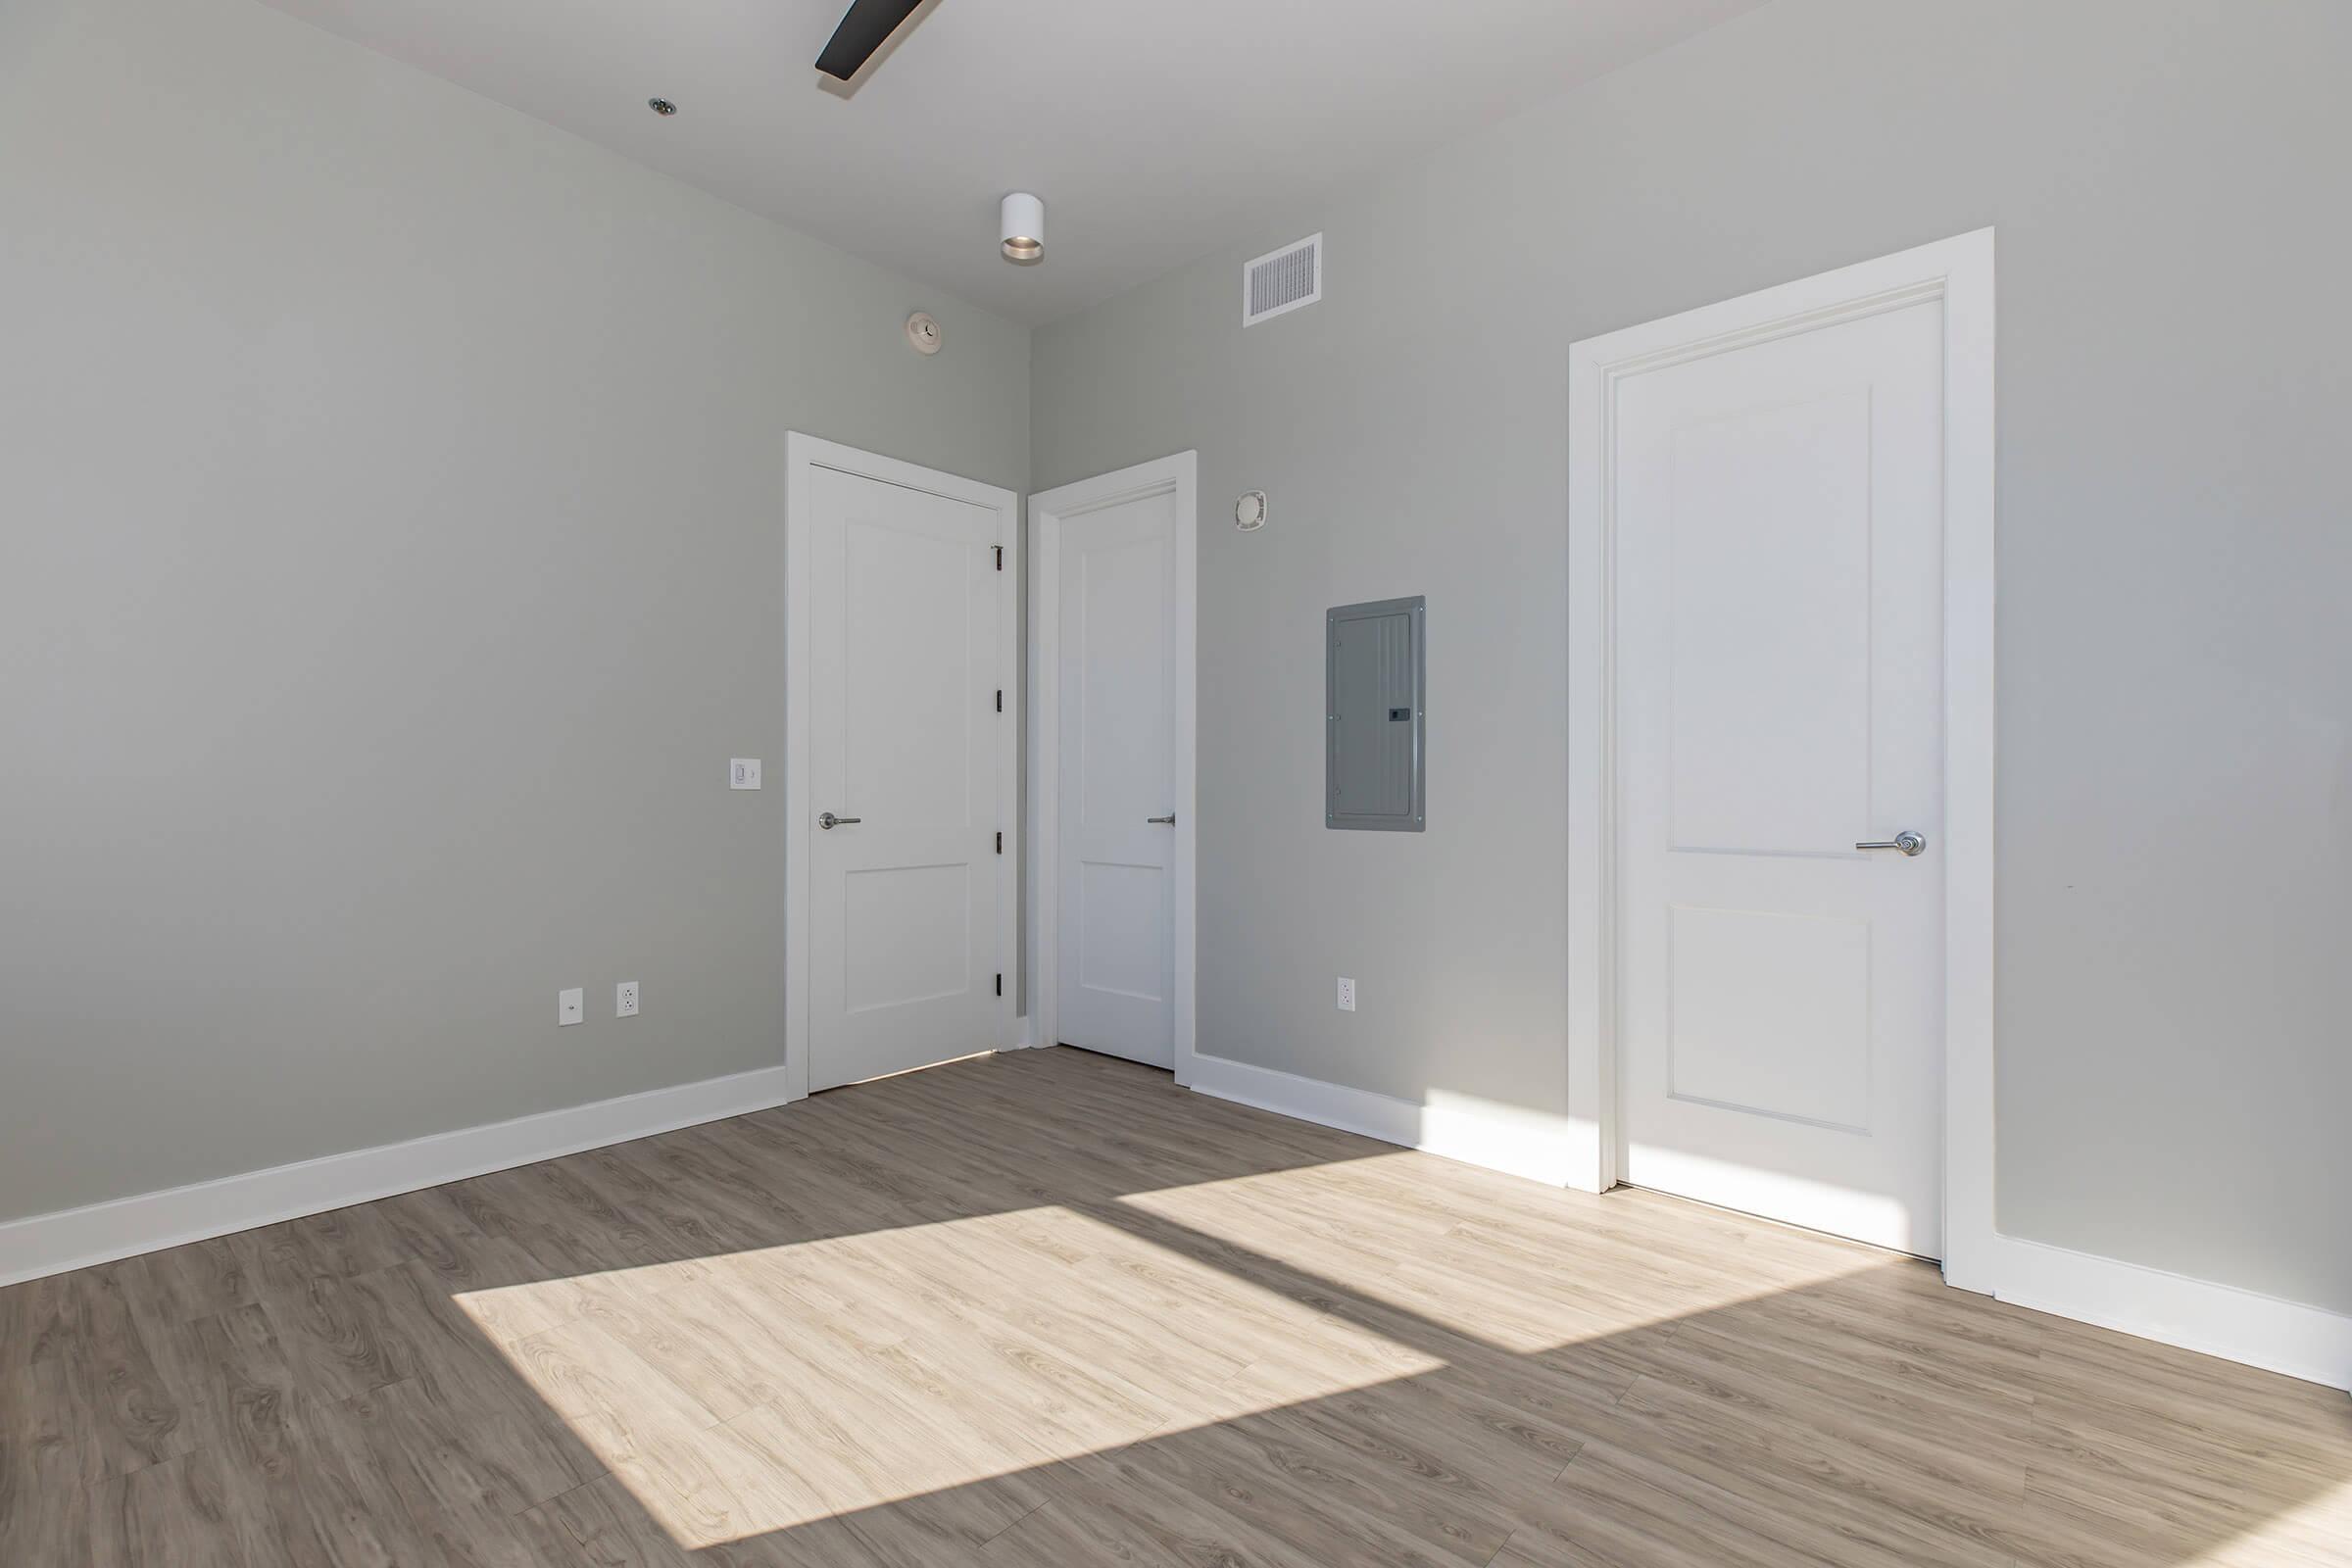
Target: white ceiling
(1154, 130)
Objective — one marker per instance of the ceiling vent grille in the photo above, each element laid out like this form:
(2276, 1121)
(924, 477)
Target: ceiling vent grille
(1282, 280)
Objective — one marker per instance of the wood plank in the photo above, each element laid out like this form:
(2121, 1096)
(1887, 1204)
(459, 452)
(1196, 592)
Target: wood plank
(1045, 1309)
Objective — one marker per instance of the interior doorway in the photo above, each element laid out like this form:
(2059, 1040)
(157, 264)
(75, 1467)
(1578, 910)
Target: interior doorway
(1112, 609)
(1781, 702)
(902, 778)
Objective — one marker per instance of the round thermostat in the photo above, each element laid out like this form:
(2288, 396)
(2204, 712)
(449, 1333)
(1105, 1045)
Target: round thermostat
(1249, 513)
(922, 332)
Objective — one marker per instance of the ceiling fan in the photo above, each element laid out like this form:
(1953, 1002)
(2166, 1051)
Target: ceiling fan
(863, 27)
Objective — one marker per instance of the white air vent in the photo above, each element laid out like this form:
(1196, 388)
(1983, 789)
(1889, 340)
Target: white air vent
(1282, 280)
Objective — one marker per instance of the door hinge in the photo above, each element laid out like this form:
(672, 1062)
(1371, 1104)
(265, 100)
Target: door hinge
(999, 840)
(1000, 558)
(1000, 699)
(999, 982)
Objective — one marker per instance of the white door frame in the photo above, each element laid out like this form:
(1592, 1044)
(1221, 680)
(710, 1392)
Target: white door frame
(802, 455)
(1959, 274)
(1177, 476)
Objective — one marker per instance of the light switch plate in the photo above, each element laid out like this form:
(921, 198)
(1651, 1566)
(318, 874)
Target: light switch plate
(571, 1007)
(743, 773)
(624, 999)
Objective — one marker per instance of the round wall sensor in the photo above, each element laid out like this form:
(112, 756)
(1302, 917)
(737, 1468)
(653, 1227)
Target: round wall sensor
(1249, 513)
(922, 332)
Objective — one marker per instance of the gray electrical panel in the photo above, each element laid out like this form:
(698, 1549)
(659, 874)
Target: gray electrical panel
(1373, 753)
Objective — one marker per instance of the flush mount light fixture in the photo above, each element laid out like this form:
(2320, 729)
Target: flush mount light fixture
(662, 106)
(1023, 227)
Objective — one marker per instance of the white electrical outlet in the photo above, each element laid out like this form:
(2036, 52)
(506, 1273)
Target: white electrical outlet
(571, 1007)
(1347, 994)
(743, 773)
(624, 999)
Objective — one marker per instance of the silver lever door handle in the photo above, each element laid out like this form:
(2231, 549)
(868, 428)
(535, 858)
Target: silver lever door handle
(1908, 842)
(1169, 819)
(829, 820)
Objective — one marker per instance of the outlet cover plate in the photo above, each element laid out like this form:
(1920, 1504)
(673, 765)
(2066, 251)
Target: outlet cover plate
(571, 1007)
(624, 999)
(1347, 994)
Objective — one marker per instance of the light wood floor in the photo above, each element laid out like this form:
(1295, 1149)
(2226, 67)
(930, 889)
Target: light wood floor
(1045, 1308)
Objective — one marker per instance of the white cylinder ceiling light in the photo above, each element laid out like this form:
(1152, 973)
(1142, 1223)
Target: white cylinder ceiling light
(1023, 227)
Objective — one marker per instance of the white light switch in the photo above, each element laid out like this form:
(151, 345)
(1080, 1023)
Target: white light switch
(624, 999)
(743, 773)
(571, 1007)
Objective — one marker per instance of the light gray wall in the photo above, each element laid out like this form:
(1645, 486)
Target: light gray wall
(2175, 784)
(390, 560)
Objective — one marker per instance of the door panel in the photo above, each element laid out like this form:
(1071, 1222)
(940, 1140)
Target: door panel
(1731, 971)
(1118, 712)
(1122, 917)
(905, 732)
(1770, 514)
(1778, 537)
(907, 605)
(906, 935)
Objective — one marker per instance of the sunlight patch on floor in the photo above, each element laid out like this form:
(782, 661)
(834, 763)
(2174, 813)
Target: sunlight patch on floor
(1417, 1264)
(2312, 1532)
(757, 1391)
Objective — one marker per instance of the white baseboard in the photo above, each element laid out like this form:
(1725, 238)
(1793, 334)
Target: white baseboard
(2261, 1330)
(2303, 1342)
(1476, 1132)
(76, 1237)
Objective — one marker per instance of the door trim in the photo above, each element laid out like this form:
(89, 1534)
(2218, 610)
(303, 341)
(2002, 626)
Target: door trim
(1048, 512)
(1958, 273)
(803, 455)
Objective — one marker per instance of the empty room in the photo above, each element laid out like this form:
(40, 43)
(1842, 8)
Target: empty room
(1020, 784)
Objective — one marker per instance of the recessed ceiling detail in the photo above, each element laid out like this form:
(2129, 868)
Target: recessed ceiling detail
(1161, 131)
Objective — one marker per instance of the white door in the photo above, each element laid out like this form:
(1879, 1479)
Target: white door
(906, 732)
(1778, 642)
(1118, 784)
